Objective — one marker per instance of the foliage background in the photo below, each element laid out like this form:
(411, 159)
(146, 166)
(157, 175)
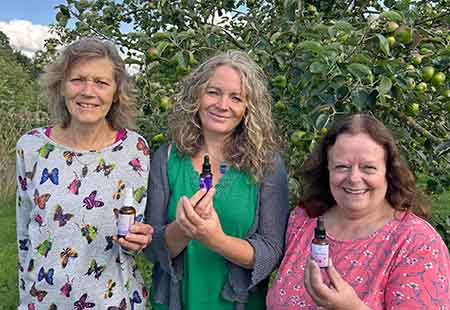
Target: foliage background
(323, 59)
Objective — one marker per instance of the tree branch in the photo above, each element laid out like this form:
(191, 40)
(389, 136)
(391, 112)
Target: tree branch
(412, 122)
(432, 18)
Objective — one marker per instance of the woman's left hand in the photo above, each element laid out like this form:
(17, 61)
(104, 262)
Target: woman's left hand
(138, 238)
(339, 295)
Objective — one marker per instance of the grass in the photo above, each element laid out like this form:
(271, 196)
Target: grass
(8, 256)
(9, 296)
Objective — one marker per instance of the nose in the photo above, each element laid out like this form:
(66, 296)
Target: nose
(88, 88)
(355, 175)
(223, 102)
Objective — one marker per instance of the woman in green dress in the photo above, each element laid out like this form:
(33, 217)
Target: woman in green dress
(215, 249)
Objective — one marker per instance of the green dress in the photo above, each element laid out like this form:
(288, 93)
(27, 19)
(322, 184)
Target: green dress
(206, 272)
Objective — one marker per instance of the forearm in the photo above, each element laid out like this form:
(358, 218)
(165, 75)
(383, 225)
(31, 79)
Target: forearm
(236, 250)
(176, 240)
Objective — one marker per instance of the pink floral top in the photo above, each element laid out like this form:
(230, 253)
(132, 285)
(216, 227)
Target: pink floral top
(404, 265)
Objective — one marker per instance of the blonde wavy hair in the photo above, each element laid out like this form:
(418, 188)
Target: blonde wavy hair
(123, 109)
(252, 145)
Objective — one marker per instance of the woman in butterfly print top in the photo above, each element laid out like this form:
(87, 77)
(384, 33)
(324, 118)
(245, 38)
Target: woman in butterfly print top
(71, 180)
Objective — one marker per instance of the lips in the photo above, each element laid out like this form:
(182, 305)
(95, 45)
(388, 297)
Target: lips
(355, 191)
(87, 106)
(217, 116)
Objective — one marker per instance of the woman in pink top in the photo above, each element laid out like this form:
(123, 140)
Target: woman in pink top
(383, 255)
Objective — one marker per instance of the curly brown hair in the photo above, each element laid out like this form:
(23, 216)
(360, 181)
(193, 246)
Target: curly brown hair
(402, 192)
(252, 145)
(122, 113)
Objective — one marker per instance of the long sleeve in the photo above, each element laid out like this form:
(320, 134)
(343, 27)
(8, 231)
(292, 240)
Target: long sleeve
(266, 236)
(268, 241)
(156, 211)
(23, 210)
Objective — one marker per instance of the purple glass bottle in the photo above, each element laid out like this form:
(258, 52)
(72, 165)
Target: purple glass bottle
(206, 177)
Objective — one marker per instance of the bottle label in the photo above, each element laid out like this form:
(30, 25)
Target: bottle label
(206, 182)
(319, 253)
(124, 223)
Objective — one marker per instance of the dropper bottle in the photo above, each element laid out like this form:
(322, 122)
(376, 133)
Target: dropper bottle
(206, 177)
(127, 214)
(319, 245)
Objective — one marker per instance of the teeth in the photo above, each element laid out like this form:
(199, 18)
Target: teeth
(87, 106)
(355, 191)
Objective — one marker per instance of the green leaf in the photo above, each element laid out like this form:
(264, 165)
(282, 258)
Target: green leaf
(385, 85)
(162, 46)
(321, 120)
(392, 15)
(180, 59)
(343, 26)
(161, 35)
(384, 45)
(361, 71)
(313, 46)
(360, 98)
(318, 67)
(275, 36)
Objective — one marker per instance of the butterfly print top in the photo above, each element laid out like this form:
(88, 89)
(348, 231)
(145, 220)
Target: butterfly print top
(67, 203)
(402, 266)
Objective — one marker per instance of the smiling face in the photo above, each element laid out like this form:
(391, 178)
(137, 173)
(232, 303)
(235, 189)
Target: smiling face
(357, 169)
(89, 90)
(222, 106)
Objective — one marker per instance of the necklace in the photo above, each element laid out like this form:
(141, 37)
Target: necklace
(223, 165)
(85, 169)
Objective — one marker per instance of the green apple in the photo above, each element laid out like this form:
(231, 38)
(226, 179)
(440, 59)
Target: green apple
(417, 59)
(427, 73)
(280, 81)
(296, 137)
(421, 87)
(391, 26)
(280, 105)
(438, 79)
(391, 40)
(404, 34)
(165, 103)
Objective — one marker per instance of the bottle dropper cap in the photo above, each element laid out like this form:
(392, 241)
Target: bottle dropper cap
(206, 167)
(319, 231)
(129, 199)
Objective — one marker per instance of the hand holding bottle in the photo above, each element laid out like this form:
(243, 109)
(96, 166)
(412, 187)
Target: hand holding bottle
(337, 295)
(189, 209)
(131, 235)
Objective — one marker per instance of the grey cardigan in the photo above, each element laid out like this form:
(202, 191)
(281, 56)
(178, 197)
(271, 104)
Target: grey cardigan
(266, 235)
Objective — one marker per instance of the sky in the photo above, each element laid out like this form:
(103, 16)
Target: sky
(26, 22)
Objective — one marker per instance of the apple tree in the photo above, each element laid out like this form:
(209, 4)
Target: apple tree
(323, 59)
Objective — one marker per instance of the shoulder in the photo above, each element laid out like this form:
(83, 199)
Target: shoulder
(298, 224)
(132, 135)
(298, 217)
(30, 138)
(162, 153)
(275, 171)
(418, 234)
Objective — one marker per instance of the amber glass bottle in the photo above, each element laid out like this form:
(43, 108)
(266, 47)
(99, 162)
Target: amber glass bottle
(127, 214)
(319, 245)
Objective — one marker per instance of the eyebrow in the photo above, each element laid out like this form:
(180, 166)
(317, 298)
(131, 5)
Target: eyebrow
(94, 78)
(220, 88)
